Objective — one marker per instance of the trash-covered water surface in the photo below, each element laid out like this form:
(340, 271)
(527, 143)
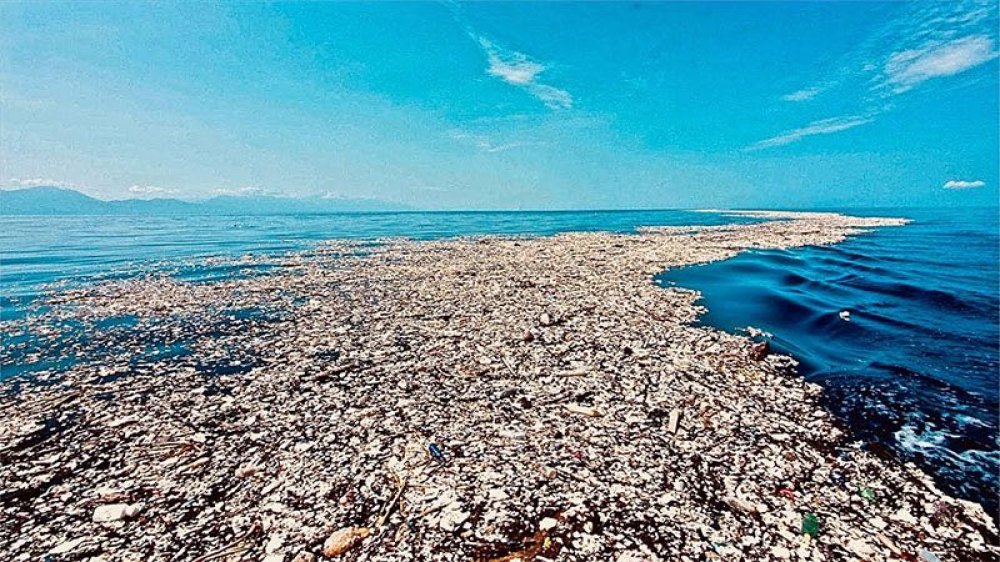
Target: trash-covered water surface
(41, 250)
(60, 253)
(901, 328)
(484, 398)
(42, 254)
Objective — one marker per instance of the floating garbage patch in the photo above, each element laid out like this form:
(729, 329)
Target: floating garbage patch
(53, 332)
(494, 398)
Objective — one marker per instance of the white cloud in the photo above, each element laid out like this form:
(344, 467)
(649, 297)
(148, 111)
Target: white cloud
(335, 195)
(906, 69)
(804, 94)
(491, 148)
(512, 67)
(821, 127)
(552, 97)
(517, 69)
(430, 188)
(485, 144)
(924, 41)
(39, 182)
(961, 184)
(150, 190)
(245, 191)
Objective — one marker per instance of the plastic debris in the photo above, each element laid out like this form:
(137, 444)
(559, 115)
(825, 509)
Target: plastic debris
(589, 411)
(928, 556)
(838, 477)
(343, 540)
(759, 351)
(888, 543)
(867, 493)
(673, 420)
(364, 352)
(436, 452)
(810, 524)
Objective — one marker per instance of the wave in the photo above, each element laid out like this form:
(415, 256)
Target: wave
(914, 366)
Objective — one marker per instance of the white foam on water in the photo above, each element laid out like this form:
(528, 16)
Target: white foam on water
(932, 442)
(910, 439)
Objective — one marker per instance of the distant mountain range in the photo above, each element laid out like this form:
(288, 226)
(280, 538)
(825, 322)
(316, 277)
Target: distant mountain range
(62, 201)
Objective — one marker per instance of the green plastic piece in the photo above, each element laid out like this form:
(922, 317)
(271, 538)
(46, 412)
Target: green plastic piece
(810, 525)
(867, 493)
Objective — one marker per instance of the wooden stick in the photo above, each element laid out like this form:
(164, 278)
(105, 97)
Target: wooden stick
(401, 482)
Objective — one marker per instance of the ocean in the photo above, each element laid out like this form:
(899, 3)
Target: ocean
(41, 250)
(912, 368)
(913, 365)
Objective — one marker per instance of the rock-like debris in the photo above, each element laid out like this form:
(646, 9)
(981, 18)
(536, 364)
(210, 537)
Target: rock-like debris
(469, 399)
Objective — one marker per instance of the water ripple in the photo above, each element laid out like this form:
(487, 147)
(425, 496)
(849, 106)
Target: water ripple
(915, 366)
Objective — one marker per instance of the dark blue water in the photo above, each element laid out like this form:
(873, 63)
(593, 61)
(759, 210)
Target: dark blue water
(915, 366)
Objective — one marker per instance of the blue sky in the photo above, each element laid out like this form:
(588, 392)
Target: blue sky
(507, 105)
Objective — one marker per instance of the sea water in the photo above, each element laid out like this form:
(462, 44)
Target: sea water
(901, 326)
(913, 368)
(35, 251)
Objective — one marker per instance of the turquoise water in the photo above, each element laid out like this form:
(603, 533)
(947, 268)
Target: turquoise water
(47, 249)
(914, 370)
(55, 252)
(914, 367)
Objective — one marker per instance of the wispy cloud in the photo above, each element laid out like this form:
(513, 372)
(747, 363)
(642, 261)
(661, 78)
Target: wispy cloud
(961, 184)
(511, 67)
(804, 94)
(821, 127)
(431, 188)
(40, 182)
(485, 144)
(927, 40)
(338, 196)
(517, 69)
(906, 69)
(245, 191)
(150, 190)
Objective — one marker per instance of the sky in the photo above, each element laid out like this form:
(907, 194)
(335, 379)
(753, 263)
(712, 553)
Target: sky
(507, 105)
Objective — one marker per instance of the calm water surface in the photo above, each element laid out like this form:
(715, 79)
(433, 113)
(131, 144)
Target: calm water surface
(46, 249)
